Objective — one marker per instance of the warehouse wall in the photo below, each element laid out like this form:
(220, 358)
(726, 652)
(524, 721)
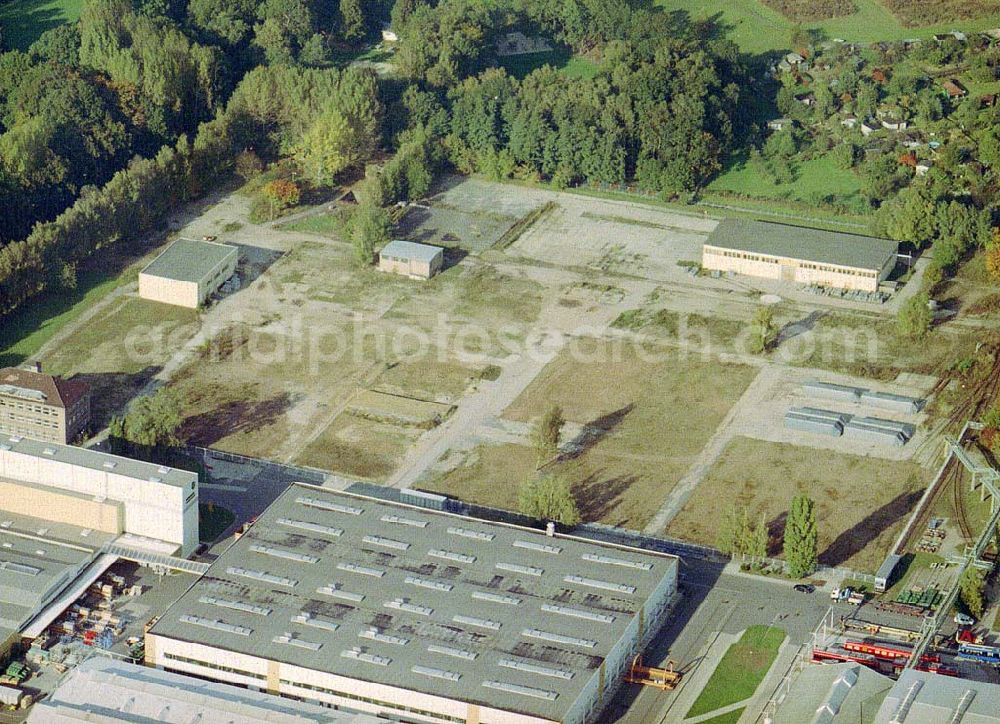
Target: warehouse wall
(60, 507)
(169, 291)
(216, 277)
(767, 267)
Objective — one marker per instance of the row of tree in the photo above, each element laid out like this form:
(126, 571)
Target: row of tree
(740, 535)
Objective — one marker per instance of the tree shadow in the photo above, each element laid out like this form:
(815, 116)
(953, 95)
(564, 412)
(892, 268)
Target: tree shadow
(776, 535)
(595, 431)
(855, 539)
(598, 495)
(25, 20)
(799, 327)
(236, 416)
(110, 392)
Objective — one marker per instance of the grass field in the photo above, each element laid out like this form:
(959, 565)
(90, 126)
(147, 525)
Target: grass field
(326, 224)
(740, 671)
(861, 502)
(637, 442)
(758, 29)
(24, 20)
(730, 718)
(562, 59)
(213, 521)
(358, 447)
(816, 180)
(489, 475)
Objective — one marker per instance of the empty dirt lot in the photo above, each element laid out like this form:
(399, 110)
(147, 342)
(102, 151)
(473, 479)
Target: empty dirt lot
(862, 503)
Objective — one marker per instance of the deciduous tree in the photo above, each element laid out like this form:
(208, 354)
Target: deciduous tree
(548, 498)
(801, 537)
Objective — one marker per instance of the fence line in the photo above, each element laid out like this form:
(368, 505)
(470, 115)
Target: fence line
(304, 473)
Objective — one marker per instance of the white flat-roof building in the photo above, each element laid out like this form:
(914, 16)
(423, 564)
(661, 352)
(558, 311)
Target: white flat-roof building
(187, 272)
(417, 261)
(104, 690)
(405, 611)
(920, 697)
(99, 491)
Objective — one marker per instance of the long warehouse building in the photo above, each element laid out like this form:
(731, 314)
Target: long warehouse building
(405, 611)
(801, 255)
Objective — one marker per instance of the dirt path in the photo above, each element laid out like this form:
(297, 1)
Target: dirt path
(751, 397)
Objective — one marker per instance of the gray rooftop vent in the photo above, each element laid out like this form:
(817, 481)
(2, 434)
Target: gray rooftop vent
(496, 598)
(401, 604)
(473, 534)
(522, 690)
(163, 470)
(399, 520)
(6, 524)
(595, 558)
(577, 613)
(363, 570)
(377, 540)
(286, 555)
(452, 651)
(540, 547)
(154, 479)
(5, 447)
(262, 576)
(216, 625)
(312, 527)
(235, 605)
(535, 633)
(307, 619)
(335, 591)
(374, 634)
(427, 583)
(359, 655)
(48, 451)
(535, 669)
(595, 583)
(451, 556)
(328, 505)
(290, 640)
(22, 568)
(422, 499)
(436, 673)
(478, 622)
(110, 464)
(518, 568)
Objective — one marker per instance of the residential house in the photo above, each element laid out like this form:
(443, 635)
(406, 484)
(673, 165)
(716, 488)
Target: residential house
(868, 127)
(954, 89)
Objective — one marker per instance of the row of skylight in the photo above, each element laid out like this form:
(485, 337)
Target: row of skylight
(496, 598)
(262, 576)
(378, 540)
(540, 547)
(596, 583)
(534, 633)
(473, 534)
(374, 634)
(536, 669)
(522, 690)
(307, 619)
(451, 556)
(312, 527)
(363, 570)
(216, 625)
(328, 505)
(403, 521)
(577, 613)
(436, 673)
(358, 655)
(401, 604)
(286, 555)
(335, 591)
(596, 558)
(290, 640)
(452, 651)
(235, 605)
(478, 622)
(428, 583)
(518, 568)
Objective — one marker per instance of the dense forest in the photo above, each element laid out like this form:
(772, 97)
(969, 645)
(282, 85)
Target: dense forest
(108, 124)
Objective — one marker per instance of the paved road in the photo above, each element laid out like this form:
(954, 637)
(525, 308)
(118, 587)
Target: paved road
(715, 600)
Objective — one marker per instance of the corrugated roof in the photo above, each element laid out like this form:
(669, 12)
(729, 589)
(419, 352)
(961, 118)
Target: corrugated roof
(796, 242)
(57, 391)
(188, 260)
(421, 600)
(411, 250)
(920, 697)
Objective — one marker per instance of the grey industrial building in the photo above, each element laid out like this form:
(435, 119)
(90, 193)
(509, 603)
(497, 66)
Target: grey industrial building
(188, 272)
(920, 697)
(105, 690)
(798, 254)
(406, 611)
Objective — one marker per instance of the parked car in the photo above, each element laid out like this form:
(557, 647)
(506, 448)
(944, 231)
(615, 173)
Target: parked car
(856, 598)
(805, 587)
(841, 594)
(964, 619)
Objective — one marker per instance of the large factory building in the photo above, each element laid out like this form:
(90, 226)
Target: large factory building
(406, 611)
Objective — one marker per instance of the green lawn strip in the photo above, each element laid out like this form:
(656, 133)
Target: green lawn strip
(213, 521)
(24, 21)
(817, 180)
(24, 332)
(326, 224)
(561, 58)
(740, 671)
(729, 718)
